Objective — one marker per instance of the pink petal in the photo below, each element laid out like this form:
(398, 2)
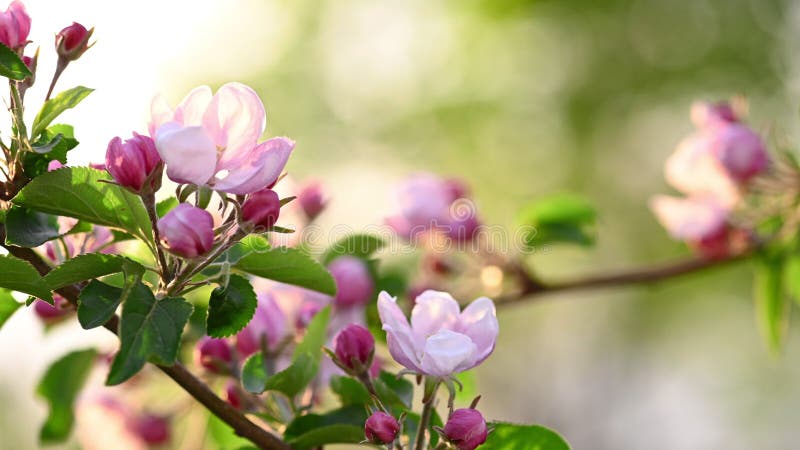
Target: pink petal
(160, 113)
(190, 155)
(689, 219)
(693, 169)
(191, 109)
(433, 311)
(398, 332)
(235, 120)
(448, 352)
(479, 322)
(260, 169)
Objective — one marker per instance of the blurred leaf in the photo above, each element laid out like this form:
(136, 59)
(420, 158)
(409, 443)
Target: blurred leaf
(98, 301)
(290, 266)
(223, 435)
(559, 218)
(28, 228)
(35, 164)
(344, 425)
(150, 329)
(87, 267)
(57, 105)
(60, 387)
(165, 206)
(20, 276)
(11, 65)
(358, 245)
(394, 391)
(469, 391)
(8, 306)
(791, 277)
(316, 333)
(254, 374)
(349, 390)
(81, 192)
(293, 379)
(772, 306)
(231, 307)
(507, 436)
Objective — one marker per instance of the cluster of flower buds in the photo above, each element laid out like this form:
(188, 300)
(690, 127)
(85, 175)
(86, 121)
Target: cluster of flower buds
(432, 204)
(713, 168)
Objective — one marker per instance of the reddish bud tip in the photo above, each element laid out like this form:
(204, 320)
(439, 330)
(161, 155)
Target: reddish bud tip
(381, 428)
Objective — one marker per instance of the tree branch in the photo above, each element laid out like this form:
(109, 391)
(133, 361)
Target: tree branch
(532, 287)
(243, 426)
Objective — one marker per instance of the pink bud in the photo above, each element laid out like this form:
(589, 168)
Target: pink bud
(51, 313)
(233, 395)
(707, 114)
(354, 347)
(269, 322)
(740, 150)
(464, 228)
(151, 429)
(187, 231)
(354, 285)
(262, 208)
(312, 200)
(133, 162)
(30, 63)
(73, 41)
(15, 25)
(466, 429)
(381, 428)
(213, 354)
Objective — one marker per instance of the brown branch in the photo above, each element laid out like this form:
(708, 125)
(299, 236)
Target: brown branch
(532, 287)
(243, 426)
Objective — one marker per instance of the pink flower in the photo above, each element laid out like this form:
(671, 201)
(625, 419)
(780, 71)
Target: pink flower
(187, 231)
(212, 140)
(466, 429)
(708, 114)
(52, 313)
(269, 322)
(131, 163)
(262, 208)
(354, 285)
(354, 348)
(381, 428)
(441, 340)
(740, 151)
(701, 222)
(151, 429)
(15, 25)
(312, 200)
(694, 170)
(73, 41)
(213, 354)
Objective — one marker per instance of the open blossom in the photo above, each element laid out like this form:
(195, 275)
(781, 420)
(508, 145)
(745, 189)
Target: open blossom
(212, 140)
(15, 25)
(701, 222)
(427, 203)
(440, 340)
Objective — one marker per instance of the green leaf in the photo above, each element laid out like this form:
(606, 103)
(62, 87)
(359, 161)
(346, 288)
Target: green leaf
(223, 436)
(358, 245)
(57, 105)
(165, 206)
(394, 391)
(349, 390)
(316, 333)
(331, 434)
(11, 65)
(87, 267)
(353, 415)
(150, 329)
(507, 436)
(791, 277)
(293, 379)
(231, 307)
(98, 301)
(82, 193)
(8, 306)
(772, 306)
(290, 266)
(60, 386)
(559, 218)
(254, 374)
(20, 276)
(60, 139)
(28, 228)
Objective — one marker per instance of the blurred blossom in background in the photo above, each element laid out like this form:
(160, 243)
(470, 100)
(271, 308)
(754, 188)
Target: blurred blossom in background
(520, 98)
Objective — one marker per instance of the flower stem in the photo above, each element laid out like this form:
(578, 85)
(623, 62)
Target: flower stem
(60, 66)
(431, 386)
(149, 201)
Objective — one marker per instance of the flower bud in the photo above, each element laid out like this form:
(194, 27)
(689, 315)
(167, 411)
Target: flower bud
(31, 62)
(213, 354)
(354, 285)
(466, 429)
(15, 24)
(262, 208)
(381, 428)
(152, 429)
(740, 151)
(708, 114)
(354, 348)
(233, 394)
(187, 231)
(73, 41)
(51, 313)
(311, 200)
(133, 163)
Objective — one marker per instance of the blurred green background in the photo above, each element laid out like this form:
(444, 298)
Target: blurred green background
(521, 99)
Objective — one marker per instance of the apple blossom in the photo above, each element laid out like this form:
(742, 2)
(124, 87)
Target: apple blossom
(466, 429)
(133, 163)
(187, 231)
(708, 114)
(213, 354)
(52, 313)
(15, 25)
(269, 323)
(151, 429)
(262, 208)
(211, 140)
(381, 428)
(73, 41)
(354, 348)
(702, 222)
(354, 285)
(441, 340)
(311, 199)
